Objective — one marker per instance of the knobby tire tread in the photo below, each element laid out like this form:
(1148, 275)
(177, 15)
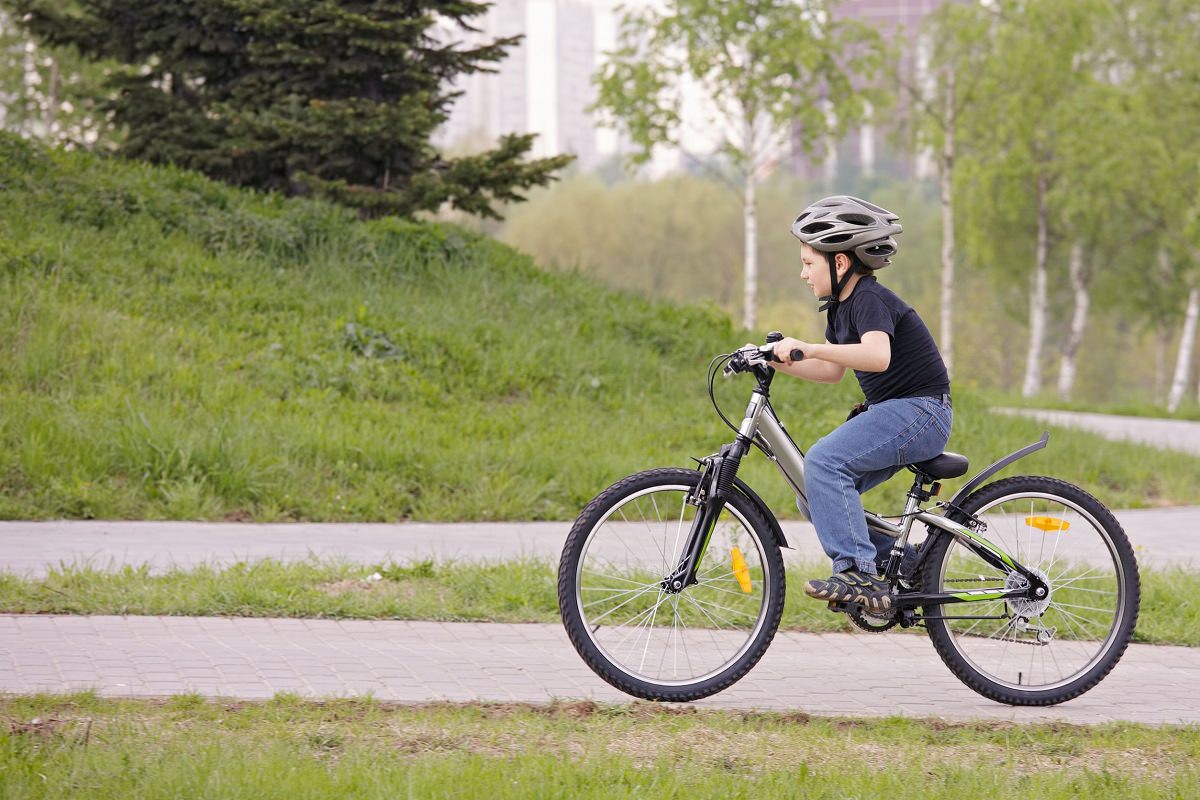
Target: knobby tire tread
(942, 640)
(572, 551)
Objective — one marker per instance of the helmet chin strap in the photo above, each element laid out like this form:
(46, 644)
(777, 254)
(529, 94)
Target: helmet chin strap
(830, 301)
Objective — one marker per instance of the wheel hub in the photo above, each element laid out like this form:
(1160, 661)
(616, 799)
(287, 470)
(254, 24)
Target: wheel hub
(1027, 607)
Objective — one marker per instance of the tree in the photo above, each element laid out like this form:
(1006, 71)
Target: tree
(332, 97)
(1102, 235)
(956, 36)
(1040, 61)
(50, 93)
(1157, 50)
(763, 66)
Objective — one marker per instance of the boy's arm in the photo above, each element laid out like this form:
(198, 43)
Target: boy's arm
(827, 363)
(811, 368)
(872, 354)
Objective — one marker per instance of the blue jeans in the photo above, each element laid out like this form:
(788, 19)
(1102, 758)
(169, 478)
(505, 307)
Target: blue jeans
(860, 454)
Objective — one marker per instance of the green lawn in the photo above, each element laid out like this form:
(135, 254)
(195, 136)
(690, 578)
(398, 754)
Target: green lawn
(81, 746)
(171, 348)
(512, 591)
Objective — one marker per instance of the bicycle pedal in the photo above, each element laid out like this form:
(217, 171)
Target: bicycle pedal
(839, 607)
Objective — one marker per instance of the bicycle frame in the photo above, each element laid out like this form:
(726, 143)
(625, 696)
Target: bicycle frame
(762, 428)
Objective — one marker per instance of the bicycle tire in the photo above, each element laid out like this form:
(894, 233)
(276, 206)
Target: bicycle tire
(605, 664)
(952, 639)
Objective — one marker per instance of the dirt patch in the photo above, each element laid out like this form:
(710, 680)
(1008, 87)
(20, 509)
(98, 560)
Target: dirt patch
(53, 729)
(365, 588)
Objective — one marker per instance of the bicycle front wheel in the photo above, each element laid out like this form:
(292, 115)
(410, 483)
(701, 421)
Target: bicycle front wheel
(1036, 652)
(637, 636)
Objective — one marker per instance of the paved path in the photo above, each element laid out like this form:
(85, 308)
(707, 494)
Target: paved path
(1164, 536)
(1172, 434)
(843, 674)
(829, 674)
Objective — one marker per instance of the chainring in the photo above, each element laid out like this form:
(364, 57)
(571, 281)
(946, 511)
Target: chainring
(870, 622)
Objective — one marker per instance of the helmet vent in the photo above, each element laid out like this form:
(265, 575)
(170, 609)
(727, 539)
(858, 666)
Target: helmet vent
(856, 219)
(837, 238)
(816, 227)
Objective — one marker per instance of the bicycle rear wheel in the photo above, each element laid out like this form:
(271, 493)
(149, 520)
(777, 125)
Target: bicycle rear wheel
(649, 642)
(1036, 652)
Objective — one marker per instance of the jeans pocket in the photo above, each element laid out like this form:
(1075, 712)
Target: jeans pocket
(929, 441)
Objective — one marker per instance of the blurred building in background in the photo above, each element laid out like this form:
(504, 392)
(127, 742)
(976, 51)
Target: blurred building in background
(544, 87)
(865, 149)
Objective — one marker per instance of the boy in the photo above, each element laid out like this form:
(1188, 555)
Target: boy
(870, 330)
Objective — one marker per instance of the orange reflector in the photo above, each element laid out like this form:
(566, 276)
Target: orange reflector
(1047, 523)
(741, 571)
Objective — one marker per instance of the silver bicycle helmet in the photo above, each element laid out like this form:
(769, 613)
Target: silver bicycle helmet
(841, 222)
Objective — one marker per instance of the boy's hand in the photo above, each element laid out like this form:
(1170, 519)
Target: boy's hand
(785, 346)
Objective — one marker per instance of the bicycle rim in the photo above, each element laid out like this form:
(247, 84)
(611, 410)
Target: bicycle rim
(1045, 644)
(654, 636)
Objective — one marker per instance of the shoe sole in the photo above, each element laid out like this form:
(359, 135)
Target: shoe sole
(832, 595)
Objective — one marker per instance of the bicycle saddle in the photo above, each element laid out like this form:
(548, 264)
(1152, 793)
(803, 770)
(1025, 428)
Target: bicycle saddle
(947, 465)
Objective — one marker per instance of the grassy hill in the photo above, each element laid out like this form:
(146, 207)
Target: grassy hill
(174, 348)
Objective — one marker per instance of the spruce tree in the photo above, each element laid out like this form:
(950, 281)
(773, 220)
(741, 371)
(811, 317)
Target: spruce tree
(337, 98)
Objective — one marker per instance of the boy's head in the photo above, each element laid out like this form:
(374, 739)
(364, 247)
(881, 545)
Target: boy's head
(850, 235)
(815, 268)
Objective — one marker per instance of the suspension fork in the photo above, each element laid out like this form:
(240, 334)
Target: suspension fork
(714, 488)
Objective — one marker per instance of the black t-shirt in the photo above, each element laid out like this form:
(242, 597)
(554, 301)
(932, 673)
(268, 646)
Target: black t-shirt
(916, 369)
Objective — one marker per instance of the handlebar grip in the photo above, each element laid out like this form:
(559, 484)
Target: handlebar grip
(797, 355)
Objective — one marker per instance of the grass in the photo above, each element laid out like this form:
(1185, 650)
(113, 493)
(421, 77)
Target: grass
(172, 348)
(1189, 409)
(510, 591)
(87, 747)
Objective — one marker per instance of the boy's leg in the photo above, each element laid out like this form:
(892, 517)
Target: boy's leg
(881, 541)
(863, 449)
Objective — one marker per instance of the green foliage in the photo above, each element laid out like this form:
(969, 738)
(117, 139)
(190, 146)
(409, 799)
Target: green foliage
(322, 97)
(51, 93)
(333, 748)
(771, 61)
(523, 590)
(174, 348)
(679, 238)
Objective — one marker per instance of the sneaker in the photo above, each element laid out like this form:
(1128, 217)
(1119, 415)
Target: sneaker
(870, 591)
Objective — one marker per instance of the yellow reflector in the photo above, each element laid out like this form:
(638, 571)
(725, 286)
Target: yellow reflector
(1047, 523)
(741, 571)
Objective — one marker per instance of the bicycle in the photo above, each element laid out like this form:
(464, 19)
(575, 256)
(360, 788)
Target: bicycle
(701, 549)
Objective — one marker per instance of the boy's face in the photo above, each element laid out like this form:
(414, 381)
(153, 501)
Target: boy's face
(815, 270)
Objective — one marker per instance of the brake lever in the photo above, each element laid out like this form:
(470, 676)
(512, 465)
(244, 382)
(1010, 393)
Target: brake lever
(740, 360)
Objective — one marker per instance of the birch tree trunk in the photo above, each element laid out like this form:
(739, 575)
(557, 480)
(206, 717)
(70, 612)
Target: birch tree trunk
(1079, 284)
(946, 178)
(1184, 360)
(1037, 298)
(52, 100)
(750, 224)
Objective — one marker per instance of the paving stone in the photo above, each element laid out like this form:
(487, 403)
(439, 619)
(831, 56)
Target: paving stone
(814, 673)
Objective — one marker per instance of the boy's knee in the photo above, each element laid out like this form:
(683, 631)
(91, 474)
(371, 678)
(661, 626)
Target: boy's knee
(820, 459)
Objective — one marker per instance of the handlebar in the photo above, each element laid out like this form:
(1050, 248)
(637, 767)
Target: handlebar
(751, 355)
(797, 354)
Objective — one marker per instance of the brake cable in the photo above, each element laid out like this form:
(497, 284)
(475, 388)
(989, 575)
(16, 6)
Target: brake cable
(713, 368)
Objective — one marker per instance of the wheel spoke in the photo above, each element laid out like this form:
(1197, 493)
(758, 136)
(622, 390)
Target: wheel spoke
(592, 622)
(636, 623)
(1082, 568)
